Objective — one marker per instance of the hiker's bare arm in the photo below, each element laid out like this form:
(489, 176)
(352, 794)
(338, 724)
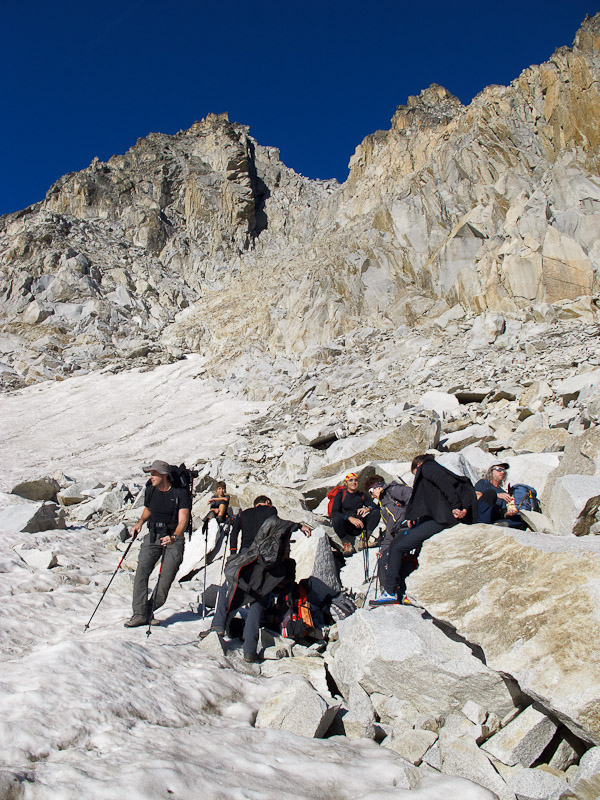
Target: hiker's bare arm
(140, 523)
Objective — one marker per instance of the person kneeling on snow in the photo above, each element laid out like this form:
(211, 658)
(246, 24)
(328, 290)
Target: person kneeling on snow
(352, 514)
(167, 512)
(439, 500)
(251, 577)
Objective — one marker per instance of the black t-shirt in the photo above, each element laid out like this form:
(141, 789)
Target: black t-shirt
(249, 522)
(164, 506)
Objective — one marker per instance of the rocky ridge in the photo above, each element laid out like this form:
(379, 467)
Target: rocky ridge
(206, 242)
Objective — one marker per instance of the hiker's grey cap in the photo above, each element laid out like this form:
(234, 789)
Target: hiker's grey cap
(158, 466)
(501, 464)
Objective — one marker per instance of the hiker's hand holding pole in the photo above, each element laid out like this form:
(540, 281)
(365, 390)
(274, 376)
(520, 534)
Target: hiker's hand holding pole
(306, 530)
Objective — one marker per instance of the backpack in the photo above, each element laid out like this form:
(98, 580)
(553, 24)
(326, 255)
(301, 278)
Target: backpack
(342, 606)
(181, 478)
(526, 498)
(331, 497)
(297, 622)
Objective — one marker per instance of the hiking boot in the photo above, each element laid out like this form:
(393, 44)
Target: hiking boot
(251, 658)
(362, 545)
(136, 621)
(154, 621)
(203, 634)
(384, 599)
(347, 550)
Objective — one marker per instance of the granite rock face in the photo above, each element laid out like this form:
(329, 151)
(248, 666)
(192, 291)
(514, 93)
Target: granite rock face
(529, 602)
(487, 209)
(394, 652)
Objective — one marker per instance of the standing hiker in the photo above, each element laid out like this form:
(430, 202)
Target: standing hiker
(167, 512)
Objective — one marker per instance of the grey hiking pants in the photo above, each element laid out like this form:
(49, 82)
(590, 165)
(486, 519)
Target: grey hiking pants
(149, 555)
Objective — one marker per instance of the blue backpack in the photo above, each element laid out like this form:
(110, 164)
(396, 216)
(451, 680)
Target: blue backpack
(526, 498)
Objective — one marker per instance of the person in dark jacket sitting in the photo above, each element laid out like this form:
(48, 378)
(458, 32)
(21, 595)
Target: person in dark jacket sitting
(439, 499)
(392, 499)
(352, 514)
(496, 506)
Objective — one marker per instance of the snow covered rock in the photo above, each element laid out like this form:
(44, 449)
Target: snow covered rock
(38, 559)
(32, 517)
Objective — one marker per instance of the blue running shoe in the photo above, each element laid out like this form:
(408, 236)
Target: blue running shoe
(384, 599)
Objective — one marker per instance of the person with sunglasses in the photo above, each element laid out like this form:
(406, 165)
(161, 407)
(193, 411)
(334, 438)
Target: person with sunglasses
(495, 505)
(353, 514)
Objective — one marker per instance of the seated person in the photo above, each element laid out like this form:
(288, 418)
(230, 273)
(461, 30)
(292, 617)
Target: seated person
(352, 514)
(218, 503)
(439, 500)
(495, 505)
(392, 499)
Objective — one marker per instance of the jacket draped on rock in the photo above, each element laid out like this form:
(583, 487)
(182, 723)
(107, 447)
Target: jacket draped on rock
(437, 492)
(255, 573)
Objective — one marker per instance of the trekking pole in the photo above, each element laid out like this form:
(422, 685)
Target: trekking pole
(155, 590)
(365, 555)
(204, 583)
(110, 581)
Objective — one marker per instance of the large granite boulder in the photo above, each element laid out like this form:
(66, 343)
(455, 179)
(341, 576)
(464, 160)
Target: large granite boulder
(297, 708)
(530, 602)
(394, 651)
(412, 437)
(40, 489)
(574, 504)
(314, 559)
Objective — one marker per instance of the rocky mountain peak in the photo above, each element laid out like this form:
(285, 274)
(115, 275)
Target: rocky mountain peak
(487, 208)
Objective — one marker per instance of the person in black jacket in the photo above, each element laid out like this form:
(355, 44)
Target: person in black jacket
(249, 521)
(252, 575)
(439, 499)
(352, 514)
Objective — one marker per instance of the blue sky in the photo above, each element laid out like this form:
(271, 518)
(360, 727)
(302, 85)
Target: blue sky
(86, 79)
